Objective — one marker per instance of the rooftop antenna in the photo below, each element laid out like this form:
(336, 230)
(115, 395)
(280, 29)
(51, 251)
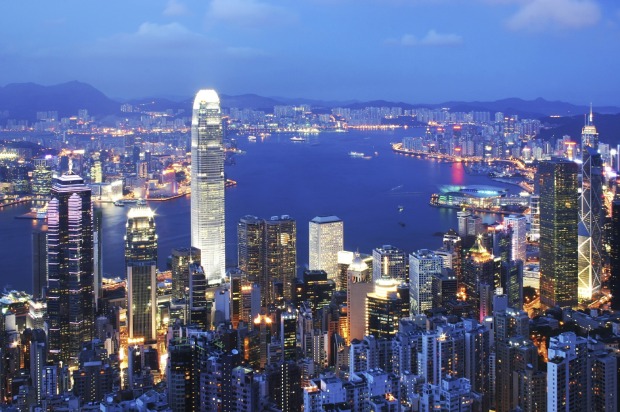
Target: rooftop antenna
(591, 115)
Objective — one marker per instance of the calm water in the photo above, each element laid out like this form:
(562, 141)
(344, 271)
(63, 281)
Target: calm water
(303, 180)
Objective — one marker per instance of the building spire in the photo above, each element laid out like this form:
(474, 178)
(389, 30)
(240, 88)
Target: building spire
(591, 117)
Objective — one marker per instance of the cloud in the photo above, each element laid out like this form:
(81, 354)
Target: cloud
(432, 38)
(249, 13)
(540, 15)
(175, 8)
(152, 40)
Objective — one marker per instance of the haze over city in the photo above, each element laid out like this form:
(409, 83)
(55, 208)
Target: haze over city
(422, 51)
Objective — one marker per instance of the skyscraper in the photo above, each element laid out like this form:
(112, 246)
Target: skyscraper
(590, 258)
(559, 207)
(481, 273)
(518, 225)
(280, 257)
(384, 308)
(181, 259)
(141, 261)
(423, 264)
(389, 262)
(207, 203)
(70, 299)
(326, 240)
(251, 247)
(614, 256)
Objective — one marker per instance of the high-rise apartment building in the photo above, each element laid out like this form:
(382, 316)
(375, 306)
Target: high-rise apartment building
(591, 219)
(207, 203)
(559, 215)
(481, 276)
(389, 262)
(567, 377)
(141, 261)
(326, 240)
(70, 298)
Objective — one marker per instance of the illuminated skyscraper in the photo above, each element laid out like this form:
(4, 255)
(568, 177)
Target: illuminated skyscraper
(181, 259)
(280, 257)
(559, 215)
(591, 224)
(389, 262)
(589, 135)
(141, 261)
(518, 225)
(207, 203)
(384, 308)
(481, 275)
(251, 247)
(423, 265)
(70, 298)
(326, 240)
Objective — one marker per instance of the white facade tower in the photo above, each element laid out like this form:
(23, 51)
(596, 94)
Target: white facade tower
(208, 183)
(326, 240)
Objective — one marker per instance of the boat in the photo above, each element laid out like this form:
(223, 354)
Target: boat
(297, 139)
(119, 203)
(141, 202)
(251, 138)
(356, 154)
(401, 208)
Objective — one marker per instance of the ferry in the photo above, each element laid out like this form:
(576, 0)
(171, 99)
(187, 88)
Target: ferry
(401, 208)
(356, 154)
(297, 139)
(119, 203)
(251, 138)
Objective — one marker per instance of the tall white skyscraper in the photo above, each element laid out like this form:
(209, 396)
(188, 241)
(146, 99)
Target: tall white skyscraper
(326, 240)
(519, 232)
(423, 264)
(207, 220)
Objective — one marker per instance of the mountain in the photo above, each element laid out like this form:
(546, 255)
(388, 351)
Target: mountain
(607, 126)
(24, 100)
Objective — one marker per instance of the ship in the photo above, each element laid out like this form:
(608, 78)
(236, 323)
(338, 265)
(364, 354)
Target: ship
(251, 138)
(297, 139)
(356, 154)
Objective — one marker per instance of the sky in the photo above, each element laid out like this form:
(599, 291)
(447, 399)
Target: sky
(416, 51)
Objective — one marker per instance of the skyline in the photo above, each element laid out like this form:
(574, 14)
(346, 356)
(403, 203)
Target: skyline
(321, 50)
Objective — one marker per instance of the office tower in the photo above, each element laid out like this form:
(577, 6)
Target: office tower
(462, 217)
(251, 247)
(559, 207)
(359, 284)
(590, 260)
(389, 262)
(70, 300)
(589, 135)
(207, 203)
(535, 218)
(567, 373)
(141, 262)
(39, 263)
(181, 259)
(423, 266)
(614, 256)
(498, 240)
(141, 236)
(42, 178)
(98, 256)
(288, 333)
(280, 257)
(452, 244)
(199, 310)
(512, 282)
(345, 258)
(326, 240)
(384, 308)
(518, 242)
(481, 273)
(315, 288)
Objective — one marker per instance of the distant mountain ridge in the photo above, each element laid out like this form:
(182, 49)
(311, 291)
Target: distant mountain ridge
(23, 100)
